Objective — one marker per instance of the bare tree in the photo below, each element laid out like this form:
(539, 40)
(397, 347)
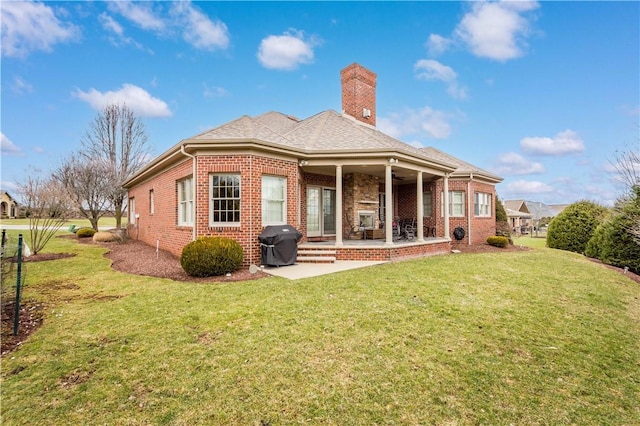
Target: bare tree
(87, 183)
(47, 206)
(118, 138)
(626, 166)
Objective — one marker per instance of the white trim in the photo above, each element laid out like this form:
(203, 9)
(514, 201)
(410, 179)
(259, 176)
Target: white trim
(212, 223)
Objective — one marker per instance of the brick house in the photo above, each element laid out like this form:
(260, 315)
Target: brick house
(333, 176)
(9, 208)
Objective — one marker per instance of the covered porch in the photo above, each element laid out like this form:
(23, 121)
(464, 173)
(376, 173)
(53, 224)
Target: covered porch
(362, 204)
(371, 250)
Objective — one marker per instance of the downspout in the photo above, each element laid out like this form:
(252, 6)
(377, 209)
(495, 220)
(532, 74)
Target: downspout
(251, 198)
(471, 210)
(193, 189)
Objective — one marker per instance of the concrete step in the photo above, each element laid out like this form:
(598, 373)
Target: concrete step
(316, 252)
(315, 259)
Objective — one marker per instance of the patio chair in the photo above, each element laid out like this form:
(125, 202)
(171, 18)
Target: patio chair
(409, 229)
(410, 232)
(396, 229)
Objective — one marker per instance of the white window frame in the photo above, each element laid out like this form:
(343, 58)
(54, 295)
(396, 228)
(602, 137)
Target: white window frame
(482, 204)
(456, 207)
(427, 204)
(232, 202)
(382, 206)
(132, 210)
(185, 202)
(152, 203)
(272, 201)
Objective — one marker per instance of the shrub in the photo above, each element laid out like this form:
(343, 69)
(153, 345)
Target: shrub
(107, 237)
(85, 232)
(613, 242)
(594, 246)
(211, 256)
(498, 241)
(572, 229)
(502, 221)
(501, 213)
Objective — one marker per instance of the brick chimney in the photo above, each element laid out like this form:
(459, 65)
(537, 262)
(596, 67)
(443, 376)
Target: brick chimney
(359, 93)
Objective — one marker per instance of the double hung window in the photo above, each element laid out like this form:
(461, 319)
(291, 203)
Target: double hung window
(225, 200)
(185, 202)
(456, 204)
(274, 200)
(482, 204)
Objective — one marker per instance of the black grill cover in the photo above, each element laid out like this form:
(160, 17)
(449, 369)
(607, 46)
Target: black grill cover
(279, 244)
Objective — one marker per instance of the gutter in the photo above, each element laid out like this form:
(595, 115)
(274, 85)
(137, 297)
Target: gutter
(193, 189)
(471, 209)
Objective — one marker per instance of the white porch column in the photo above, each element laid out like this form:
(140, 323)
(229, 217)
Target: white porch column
(445, 201)
(388, 200)
(419, 198)
(339, 206)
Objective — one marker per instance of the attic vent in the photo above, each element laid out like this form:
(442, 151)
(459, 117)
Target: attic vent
(366, 113)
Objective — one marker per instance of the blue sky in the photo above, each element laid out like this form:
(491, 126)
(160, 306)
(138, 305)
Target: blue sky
(541, 93)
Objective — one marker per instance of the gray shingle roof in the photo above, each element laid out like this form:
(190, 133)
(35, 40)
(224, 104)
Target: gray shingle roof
(327, 131)
(463, 166)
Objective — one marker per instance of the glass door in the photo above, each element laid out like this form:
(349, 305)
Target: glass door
(321, 211)
(328, 212)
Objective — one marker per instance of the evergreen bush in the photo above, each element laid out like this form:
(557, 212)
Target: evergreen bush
(85, 232)
(613, 242)
(572, 229)
(211, 256)
(498, 241)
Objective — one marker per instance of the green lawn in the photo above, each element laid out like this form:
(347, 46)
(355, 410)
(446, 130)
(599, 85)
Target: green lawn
(541, 337)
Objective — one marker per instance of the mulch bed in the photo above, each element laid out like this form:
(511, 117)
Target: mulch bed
(136, 257)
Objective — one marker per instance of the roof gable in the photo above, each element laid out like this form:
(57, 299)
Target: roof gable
(516, 205)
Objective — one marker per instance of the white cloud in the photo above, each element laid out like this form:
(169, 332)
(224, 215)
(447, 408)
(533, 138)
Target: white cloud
(214, 92)
(287, 51)
(136, 98)
(200, 31)
(8, 186)
(21, 87)
(437, 44)
(524, 187)
(430, 69)
(141, 13)
(423, 122)
(8, 148)
(196, 28)
(113, 26)
(512, 163)
(564, 143)
(30, 26)
(110, 24)
(496, 30)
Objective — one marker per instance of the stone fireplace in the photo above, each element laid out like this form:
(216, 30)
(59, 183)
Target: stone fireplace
(361, 201)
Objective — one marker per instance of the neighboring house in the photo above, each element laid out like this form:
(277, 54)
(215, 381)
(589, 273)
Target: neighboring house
(541, 210)
(331, 176)
(525, 214)
(8, 206)
(518, 214)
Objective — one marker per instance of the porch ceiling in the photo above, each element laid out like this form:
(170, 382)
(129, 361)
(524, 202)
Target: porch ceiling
(400, 175)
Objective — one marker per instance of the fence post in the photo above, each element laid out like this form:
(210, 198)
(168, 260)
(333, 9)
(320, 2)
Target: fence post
(16, 316)
(4, 236)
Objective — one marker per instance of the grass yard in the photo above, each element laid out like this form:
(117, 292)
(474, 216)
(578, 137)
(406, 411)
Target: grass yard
(525, 338)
